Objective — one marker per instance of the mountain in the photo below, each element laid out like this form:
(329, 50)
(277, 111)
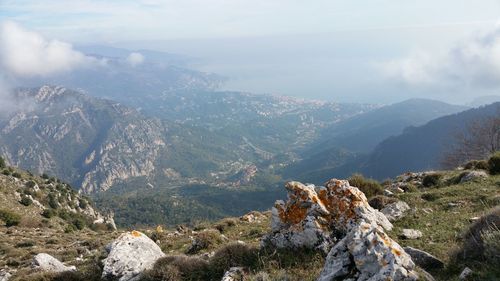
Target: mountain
(96, 143)
(348, 140)
(363, 132)
(422, 148)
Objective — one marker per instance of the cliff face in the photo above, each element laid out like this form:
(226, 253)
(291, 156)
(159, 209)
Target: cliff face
(89, 141)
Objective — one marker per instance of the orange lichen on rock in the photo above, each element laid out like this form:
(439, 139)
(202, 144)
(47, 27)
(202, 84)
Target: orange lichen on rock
(136, 233)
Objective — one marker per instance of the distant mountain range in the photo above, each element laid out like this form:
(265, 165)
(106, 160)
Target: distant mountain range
(417, 148)
(346, 141)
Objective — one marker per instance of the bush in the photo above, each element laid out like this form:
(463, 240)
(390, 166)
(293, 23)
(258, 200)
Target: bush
(380, 201)
(429, 197)
(79, 223)
(10, 218)
(479, 240)
(233, 254)
(430, 180)
(477, 165)
(369, 187)
(17, 175)
(53, 201)
(178, 268)
(6, 172)
(48, 213)
(26, 201)
(494, 164)
(205, 240)
(2, 163)
(225, 223)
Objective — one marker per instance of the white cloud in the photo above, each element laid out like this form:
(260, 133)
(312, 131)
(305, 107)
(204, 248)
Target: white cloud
(474, 63)
(135, 59)
(24, 53)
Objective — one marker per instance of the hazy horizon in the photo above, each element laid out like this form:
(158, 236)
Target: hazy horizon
(343, 51)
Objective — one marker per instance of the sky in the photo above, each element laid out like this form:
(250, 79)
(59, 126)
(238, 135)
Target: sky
(355, 51)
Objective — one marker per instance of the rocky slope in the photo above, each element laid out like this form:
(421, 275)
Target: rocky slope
(444, 227)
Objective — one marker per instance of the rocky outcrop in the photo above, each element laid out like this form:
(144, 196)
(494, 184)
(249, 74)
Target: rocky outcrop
(338, 216)
(314, 216)
(46, 262)
(395, 211)
(130, 255)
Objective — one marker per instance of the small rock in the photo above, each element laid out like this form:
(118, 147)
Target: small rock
(388, 193)
(474, 219)
(4, 275)
(395, 211)
(129, 255)
(452, 204)
(46, 262)
(235, 274)
(424, 259)
(411, 233)
(427, 210)
(473, 175)
(465, 273)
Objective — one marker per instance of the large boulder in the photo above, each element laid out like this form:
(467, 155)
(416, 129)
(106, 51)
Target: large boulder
(424, 259)
(48, 263)
(129, 255)
(314, 216)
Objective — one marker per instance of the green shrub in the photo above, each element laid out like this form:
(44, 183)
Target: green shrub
(225, 223)
(45, 176)
(494, 163)
(477, 165)
(204, 240)
(481, 241)
(178, 268)
(48, 213)
(9, 218)
(233, 254)
(53, 201)
(432, 179)
(17, 175)
(380, 201)
(69, 228)
(429, 197)
(6, 172)
(369, 187)
(26, 201)
(2, 163)
(25, 244)
(79, 223)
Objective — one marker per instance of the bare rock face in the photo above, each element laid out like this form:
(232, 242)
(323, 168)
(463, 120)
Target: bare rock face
(314, 215)
(129, 255)
(46, 262)
(338, 216)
